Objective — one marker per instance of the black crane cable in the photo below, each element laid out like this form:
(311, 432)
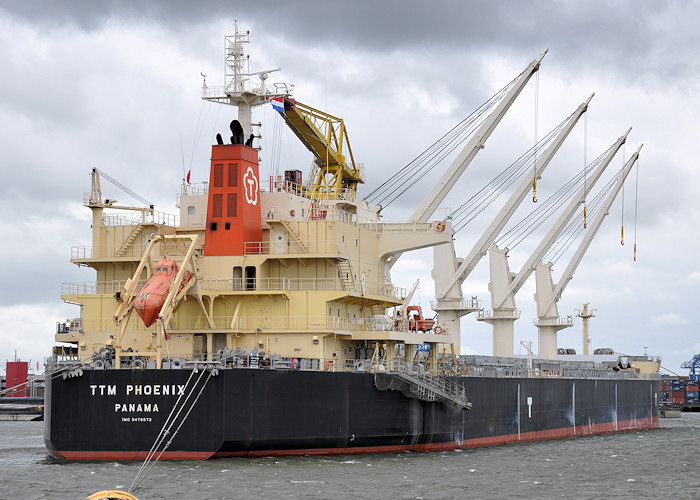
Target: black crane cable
(517, 233)
(472, 207)
(124, 188)
(574, 228)
(400, 182)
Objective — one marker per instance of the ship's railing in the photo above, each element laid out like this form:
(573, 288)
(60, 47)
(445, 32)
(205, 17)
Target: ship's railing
(105, 252)
(456, 304)
(558, 321)
(405, 227)
(281, 323)
(294, 285)
(482, 366)
(502, 313)
(70, 325)
(251, 324)
(320, 213)
(485, 366)
(291, 246)
(194, 189)
(95, 287)
(140, 218)
(130, 252)
(313, 213)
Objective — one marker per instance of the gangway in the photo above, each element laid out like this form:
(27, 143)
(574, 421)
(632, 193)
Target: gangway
(425, 386)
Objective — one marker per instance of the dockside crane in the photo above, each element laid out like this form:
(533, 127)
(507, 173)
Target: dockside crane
(547, 294)
(449, 273)
(504, 285)
(694, 366)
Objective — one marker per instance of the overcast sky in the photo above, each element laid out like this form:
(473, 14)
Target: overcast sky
(117, 85)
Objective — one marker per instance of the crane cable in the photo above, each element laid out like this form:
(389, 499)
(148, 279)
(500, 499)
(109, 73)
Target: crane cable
(573, 229)
(585, 151)
(517, 233)
(394, 187)
(534, 158)
(636, 197)
(473, 206)
(622, 201)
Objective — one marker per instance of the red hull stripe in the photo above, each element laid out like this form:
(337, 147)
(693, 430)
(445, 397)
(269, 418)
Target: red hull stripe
(586, 430)
(130, 455)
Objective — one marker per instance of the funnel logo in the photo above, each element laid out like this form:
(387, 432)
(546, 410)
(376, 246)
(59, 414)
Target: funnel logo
(250, 183)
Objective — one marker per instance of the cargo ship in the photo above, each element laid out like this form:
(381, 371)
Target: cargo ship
(268, 322)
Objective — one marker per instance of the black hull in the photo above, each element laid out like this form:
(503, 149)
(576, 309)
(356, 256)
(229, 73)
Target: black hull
(249, 412)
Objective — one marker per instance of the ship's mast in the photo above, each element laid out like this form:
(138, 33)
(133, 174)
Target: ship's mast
(238, 89)
(585, 314)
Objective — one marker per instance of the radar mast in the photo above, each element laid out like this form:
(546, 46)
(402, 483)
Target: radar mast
(239, 90)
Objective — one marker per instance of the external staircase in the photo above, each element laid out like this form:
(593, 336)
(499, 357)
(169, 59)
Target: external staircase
(346, 275)
(293, 228)
(129, 240)
(429, 387)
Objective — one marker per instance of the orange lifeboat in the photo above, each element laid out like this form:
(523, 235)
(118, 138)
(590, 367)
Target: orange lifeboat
(151, 297)
(416, 321)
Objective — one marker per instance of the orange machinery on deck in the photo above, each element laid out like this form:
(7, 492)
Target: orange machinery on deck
(416, 321)
(233, 209)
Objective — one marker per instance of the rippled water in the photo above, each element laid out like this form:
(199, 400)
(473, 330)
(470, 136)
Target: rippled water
(649, 464)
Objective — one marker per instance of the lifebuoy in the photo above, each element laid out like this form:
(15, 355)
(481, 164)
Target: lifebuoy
(292, 213)
(440, 227)
(329, 365)
(438, 329)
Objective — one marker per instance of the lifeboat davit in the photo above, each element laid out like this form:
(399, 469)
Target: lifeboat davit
(151, 297)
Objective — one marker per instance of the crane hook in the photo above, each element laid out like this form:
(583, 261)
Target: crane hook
(534, 190)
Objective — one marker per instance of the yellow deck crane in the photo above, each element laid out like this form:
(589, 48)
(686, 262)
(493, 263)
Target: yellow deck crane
(335, 175)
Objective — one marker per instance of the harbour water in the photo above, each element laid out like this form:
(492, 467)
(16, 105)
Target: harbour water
(651, 464)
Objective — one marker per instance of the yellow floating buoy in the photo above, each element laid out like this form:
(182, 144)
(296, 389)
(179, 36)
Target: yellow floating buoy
(111, 495)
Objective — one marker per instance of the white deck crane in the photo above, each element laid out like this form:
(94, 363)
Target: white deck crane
(428, 206)
(548, 294)
(477, 142)
(449, 274)
(504, 285)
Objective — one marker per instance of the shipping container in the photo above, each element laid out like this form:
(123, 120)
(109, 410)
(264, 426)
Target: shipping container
(692, 388)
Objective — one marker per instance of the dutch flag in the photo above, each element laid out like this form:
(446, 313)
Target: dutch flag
(278, 104)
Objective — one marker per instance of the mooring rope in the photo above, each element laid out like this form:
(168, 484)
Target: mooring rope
(165, 431)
